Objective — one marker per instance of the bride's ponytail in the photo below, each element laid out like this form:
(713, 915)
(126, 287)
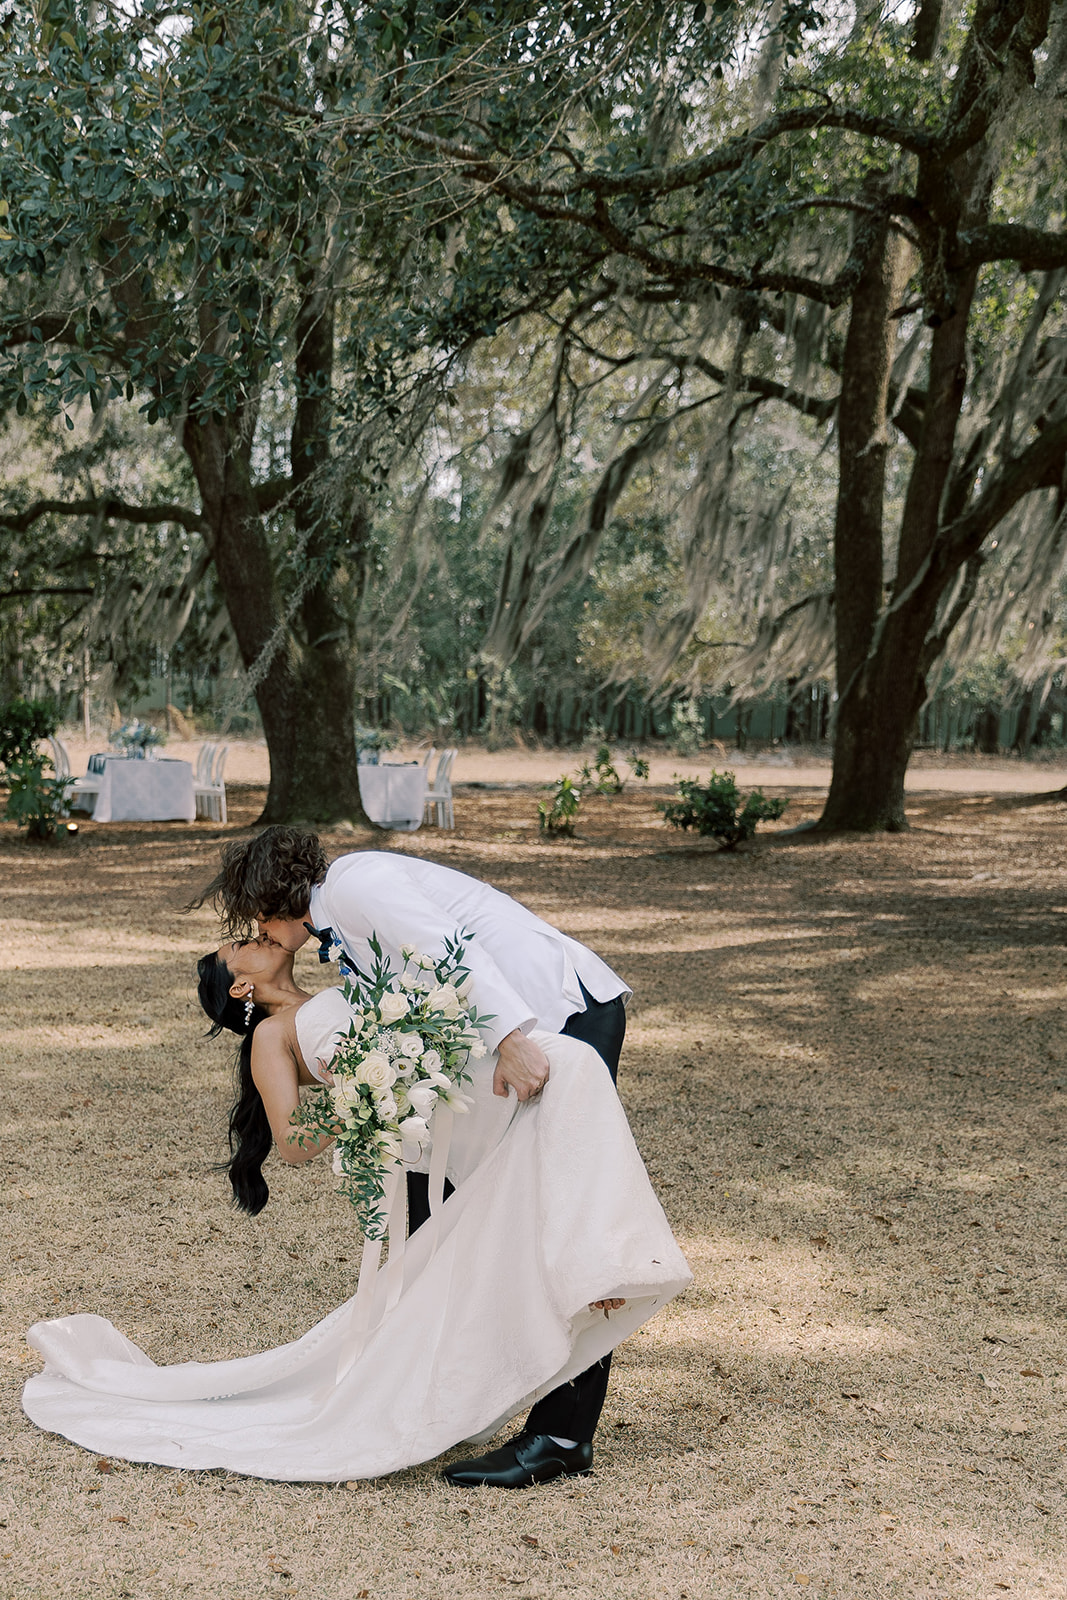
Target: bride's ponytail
(250, 1135)
(250, 1131)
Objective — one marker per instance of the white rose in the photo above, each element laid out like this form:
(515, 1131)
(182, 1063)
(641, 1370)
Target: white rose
(377, 1071)
(386, 1105)
(444, 998)
(391, 1007)
(408, 951)
(478, 1050)
(344, 1094)
(422, 1098)
(431, 1062)
(424, 963)
(410, 1046)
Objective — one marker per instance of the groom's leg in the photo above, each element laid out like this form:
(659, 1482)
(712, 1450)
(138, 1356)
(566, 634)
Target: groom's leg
(419, 1199)
(603, 1025)
(573, 1411)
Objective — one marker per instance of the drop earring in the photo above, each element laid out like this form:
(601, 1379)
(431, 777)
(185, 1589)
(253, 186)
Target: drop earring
(249, 1008)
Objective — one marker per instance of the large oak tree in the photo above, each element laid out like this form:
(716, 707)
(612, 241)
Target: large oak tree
(892, 184)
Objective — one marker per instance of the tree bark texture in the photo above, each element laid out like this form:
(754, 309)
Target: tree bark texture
(306, 695)
(887, 643)
(867, 786)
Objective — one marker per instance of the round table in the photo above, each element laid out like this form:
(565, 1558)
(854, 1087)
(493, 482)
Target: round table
(394, 794)
(132, 790)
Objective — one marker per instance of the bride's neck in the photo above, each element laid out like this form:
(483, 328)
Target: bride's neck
(282, 996)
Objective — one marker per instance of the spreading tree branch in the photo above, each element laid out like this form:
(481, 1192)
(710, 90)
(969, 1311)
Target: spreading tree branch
(14, 594)
(108, 508)
(1041, 465)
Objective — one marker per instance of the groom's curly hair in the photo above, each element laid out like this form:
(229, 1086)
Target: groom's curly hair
(271, 875)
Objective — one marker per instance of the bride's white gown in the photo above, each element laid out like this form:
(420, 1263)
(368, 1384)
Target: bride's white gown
(552, 1209)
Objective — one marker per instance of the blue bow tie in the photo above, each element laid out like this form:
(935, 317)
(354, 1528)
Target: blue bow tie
(325, 938)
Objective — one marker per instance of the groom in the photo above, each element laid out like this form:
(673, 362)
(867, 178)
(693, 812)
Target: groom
(523, 971)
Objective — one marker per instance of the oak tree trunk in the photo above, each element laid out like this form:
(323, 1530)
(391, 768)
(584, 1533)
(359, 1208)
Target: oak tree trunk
(306, 695)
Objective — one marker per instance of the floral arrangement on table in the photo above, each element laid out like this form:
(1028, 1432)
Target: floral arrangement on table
(405, 1053)
(136, 737)
(370, 742)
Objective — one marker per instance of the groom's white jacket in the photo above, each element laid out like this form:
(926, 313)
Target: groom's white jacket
(523, 970)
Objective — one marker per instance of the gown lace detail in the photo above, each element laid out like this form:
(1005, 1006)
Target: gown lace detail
(552, 1209)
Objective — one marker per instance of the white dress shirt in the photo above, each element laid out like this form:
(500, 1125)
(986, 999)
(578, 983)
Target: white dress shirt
(523, 971)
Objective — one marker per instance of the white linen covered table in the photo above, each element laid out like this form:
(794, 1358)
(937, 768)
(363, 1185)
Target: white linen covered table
(145, 791)
(394, 795)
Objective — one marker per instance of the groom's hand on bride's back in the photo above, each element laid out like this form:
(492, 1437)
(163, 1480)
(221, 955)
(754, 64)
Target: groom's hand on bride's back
(520, 1065)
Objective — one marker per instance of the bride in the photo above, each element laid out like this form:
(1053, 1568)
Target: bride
(550, 1251)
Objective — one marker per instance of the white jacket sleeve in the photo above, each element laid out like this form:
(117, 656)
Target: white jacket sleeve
(359, 900)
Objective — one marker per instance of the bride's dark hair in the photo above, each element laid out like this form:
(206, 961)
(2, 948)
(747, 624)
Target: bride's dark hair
(250, 1135)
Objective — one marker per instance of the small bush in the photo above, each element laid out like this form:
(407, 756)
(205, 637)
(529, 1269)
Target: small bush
(714, 809)
(603, 775)
(22, 724)
(556, 817)
(35, 802)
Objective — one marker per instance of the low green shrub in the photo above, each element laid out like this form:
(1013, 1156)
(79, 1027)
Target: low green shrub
(35, 802)
(556, 816)
(22, 724)
(714, 809)
(601, 774)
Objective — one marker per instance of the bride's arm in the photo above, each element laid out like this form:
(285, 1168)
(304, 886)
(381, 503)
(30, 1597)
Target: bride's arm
(274, 1073)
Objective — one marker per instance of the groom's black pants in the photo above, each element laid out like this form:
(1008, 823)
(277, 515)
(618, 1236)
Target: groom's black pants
(572, 1411)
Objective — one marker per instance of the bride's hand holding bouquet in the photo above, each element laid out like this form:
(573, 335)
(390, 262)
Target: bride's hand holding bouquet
(406, 1051)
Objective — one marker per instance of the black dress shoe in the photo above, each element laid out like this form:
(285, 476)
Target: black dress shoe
(531, 1458)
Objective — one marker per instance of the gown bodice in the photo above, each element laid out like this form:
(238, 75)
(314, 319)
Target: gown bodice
(325, 1019)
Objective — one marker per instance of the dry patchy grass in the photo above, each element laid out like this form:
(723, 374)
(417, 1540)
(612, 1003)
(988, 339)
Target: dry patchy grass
(845, 1069)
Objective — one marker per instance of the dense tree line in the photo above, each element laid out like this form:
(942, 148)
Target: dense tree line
(683, 345)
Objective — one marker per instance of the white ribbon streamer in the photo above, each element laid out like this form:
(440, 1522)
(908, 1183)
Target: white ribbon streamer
(390, 1281)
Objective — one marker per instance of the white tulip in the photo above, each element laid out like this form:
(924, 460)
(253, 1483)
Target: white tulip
(422, 1098)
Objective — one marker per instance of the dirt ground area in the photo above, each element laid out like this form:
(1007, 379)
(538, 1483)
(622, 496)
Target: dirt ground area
(846, 1070)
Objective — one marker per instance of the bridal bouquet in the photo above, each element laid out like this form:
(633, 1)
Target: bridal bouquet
(411, 1036)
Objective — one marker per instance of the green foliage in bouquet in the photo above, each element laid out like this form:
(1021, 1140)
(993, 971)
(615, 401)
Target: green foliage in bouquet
(405, 1053)
(714, 809)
